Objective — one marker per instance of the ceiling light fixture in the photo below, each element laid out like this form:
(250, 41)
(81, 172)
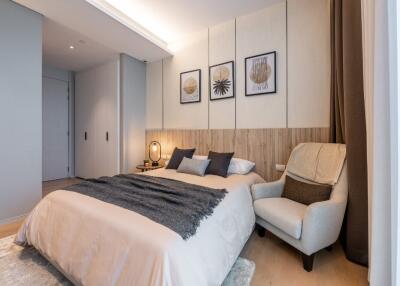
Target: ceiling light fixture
(71, 47)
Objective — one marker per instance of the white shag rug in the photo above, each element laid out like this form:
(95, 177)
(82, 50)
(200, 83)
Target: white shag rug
(21, 266)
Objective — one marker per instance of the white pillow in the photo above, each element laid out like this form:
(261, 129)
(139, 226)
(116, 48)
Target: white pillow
(240, 166)
(199, 157)
(236, 166)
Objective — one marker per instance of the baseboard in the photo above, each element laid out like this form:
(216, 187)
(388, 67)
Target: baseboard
(13, 219)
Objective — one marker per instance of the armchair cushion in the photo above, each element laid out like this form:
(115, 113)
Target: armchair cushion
(305, 193)
(285, 214)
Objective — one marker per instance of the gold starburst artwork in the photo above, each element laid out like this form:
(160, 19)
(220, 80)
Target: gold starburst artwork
(190, 85)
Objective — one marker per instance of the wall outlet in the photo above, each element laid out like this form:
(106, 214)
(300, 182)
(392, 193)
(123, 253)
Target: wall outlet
(280, 167)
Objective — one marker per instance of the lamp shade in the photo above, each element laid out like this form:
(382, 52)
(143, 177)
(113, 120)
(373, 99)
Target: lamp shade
(155, 152)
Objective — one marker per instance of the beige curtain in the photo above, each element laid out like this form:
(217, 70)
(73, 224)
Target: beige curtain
(348, 121)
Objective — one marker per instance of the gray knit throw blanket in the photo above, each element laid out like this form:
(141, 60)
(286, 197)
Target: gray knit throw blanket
(177, 205)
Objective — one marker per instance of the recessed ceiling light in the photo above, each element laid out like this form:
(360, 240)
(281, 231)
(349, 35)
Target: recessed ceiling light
(71, 47)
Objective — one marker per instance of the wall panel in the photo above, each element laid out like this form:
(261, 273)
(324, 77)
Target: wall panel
(190, 54)
(308, 63)
(154, 101)
(258, 33)
(265, 147)
(222, 49)
(299, 33)
(133, 112)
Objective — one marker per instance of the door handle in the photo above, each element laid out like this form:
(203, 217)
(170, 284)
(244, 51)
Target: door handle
(107, 136)
(85, 135)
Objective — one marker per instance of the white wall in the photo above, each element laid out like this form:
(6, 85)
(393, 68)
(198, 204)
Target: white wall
(67, 76)
(222, 50)
(309, 63)
(304, 104)
(20, 110)
(258, 33)
(192, 54)
(133, 112)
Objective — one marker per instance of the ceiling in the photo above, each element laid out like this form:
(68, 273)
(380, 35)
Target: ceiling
(104, 35)
(169, 20)
(57, 40)
(101, 29)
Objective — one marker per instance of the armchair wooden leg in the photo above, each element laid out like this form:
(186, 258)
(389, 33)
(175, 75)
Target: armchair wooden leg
(260, 230)
(308, 261)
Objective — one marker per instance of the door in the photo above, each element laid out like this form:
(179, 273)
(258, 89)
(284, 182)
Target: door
(84, 126)
(106, 121)
(55, 129)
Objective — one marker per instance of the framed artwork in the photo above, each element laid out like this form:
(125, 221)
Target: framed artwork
(190, 85)
(221, 81)
(260, 74)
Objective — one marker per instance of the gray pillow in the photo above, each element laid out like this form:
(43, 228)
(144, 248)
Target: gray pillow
(193, 166)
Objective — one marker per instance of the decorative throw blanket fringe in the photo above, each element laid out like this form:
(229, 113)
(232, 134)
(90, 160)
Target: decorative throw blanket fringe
(177, 205)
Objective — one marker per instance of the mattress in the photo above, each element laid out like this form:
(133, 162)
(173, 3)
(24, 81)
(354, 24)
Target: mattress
(97, 243)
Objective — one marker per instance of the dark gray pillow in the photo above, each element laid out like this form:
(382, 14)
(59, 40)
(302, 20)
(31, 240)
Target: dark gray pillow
(177, 157)
(193, 166)
(305, 193)
(219, 163)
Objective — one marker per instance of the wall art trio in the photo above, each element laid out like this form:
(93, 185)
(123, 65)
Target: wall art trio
(260, 78)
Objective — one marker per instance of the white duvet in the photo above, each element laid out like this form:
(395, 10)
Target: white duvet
(96, 243)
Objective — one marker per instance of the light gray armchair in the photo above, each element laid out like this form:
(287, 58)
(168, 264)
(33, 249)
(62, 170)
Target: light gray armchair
(307, 228)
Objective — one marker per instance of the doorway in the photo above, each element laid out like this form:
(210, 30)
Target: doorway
(55, 129)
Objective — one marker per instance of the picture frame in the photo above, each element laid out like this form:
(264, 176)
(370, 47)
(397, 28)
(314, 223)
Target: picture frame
(260, 74)
(190, 86)
(221, 81)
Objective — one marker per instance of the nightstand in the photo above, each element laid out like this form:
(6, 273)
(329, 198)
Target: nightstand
(144, 168)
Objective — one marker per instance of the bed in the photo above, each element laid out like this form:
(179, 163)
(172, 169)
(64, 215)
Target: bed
(97, 243)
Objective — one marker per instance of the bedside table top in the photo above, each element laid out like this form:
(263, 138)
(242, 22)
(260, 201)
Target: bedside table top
(148, 168)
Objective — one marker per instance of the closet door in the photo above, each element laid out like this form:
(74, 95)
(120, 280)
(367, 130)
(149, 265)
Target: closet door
(97, 121)
(84, 130)
(107, 130)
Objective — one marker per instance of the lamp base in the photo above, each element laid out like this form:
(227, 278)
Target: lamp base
(154, 164)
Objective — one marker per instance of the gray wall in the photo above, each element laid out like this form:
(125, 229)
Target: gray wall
(20, 110)
(67, 76)
(132, 112)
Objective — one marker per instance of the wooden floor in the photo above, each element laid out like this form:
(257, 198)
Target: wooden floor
(276, 262)
(51, 186)
(279, 264)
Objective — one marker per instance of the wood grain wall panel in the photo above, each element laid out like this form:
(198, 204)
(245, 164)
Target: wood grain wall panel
(265, 147)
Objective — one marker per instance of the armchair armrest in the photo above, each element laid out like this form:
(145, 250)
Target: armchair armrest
(268, 190)
(321, 225)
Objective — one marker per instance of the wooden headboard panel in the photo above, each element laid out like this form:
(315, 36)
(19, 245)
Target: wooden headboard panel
(265, 147)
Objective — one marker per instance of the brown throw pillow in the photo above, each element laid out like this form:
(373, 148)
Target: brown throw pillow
(177, 157)
(305, 193)
(219, 163)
